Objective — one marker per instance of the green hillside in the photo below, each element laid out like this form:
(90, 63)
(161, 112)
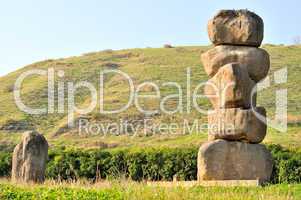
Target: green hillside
(158, 65)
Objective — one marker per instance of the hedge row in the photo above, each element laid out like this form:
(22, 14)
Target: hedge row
(146, 164)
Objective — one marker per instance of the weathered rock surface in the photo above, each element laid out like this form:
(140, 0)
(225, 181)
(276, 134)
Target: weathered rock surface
(237, 124)
(257, 61)
(29, 158)
(237, 27)
(223, 160)
(231, 87)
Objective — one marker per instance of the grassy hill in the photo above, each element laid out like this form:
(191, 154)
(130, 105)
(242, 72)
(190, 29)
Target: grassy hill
(158, 65)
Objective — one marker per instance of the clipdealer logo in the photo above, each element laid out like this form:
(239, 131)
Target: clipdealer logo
(191, 95)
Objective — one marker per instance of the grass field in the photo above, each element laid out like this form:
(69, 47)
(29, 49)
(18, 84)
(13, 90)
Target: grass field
(134, 190)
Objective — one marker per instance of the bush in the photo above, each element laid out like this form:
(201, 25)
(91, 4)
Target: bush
(111, 65)
(9, 88)
(146, 164)
(137, 165)
(168, 46)
(287, 165)
(5, 164)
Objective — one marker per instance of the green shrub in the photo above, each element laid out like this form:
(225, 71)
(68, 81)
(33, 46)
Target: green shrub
(5, 164)
(146, 164)
(287, 165)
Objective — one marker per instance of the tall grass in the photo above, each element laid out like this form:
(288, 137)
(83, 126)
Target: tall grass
(132, 190)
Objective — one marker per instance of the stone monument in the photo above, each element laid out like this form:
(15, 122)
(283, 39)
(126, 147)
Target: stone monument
(236, 125)
(29, 158)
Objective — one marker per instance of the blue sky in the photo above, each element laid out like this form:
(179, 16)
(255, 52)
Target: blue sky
(35, 30)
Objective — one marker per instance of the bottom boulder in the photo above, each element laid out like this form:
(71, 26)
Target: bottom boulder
(224, 160)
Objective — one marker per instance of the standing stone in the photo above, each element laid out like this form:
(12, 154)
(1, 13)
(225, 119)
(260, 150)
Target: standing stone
(224, 160)
(236, 27)
(257, 61)
(29, 158)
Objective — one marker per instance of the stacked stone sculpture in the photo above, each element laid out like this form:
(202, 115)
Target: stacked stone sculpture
(29, 158)
(236, 125)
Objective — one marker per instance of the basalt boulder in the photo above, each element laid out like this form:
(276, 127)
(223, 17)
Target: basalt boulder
(236, 27)
(224, 160)
(238, 124)
(231, 87)
(257, 61)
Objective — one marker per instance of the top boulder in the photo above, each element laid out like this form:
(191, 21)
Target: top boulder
(236, 27)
